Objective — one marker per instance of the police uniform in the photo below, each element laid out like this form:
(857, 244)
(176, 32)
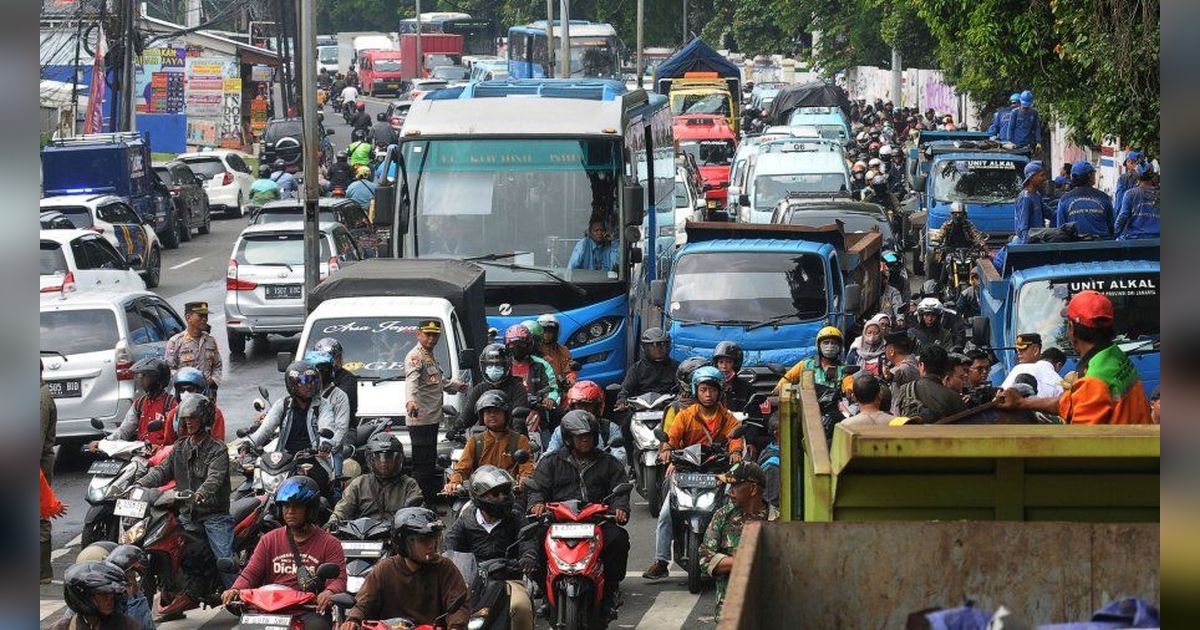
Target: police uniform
(200, 352)
(424, 383)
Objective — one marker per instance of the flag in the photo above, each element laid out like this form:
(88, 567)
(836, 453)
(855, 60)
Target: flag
(95, 110)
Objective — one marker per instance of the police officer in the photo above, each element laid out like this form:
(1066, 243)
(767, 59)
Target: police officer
(1089, 209)
(195, 347)
(424, 382)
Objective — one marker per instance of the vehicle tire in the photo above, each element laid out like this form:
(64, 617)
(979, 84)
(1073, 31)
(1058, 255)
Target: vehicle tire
(237, 341)
(170, 236)
(153, 269)
(693, 565)
(240, 209)
(574, 614)
(653, 478)
(206, 227)
(185, 229)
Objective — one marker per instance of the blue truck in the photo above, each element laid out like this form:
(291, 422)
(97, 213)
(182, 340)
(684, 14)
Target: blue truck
(1032, 291)
(769, 288)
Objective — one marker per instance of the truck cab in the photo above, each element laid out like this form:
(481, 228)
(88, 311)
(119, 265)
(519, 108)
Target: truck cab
(1032, 291)
(791, 167)
(379, 72)
(705, 93)
(711, 142)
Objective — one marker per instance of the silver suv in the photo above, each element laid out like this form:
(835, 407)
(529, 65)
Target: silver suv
(264, 286)
(89, 342)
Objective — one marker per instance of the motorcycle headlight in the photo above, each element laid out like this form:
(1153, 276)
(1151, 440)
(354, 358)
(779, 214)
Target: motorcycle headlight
(594, 331)
(705, 501)
(97, 494)
(476, 623)
(935, 235)
(682, 499)
(572, 567)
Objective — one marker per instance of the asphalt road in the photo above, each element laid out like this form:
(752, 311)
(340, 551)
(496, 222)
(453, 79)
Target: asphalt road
(196, 271)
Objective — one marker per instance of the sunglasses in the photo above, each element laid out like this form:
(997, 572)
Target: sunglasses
(307, 379)
(188, 388)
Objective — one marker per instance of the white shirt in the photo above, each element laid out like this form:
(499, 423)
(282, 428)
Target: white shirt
(349, 93)
(1049, 382)
(488, 527)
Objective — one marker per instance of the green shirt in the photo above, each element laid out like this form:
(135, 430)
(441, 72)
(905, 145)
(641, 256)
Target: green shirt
(723, 536)
(360, 153)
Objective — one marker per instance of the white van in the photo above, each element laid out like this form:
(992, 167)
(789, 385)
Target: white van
(787, 167)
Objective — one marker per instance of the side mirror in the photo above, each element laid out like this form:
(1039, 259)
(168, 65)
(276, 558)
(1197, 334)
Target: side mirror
(328, 571)
(743, 200)
(520, 456)
(918, 183)
(450, 410)
(443, 461)
(457, 603)
(96, 424)
(282, 360)
(746, 375)
(853, 298)
(344, 601)
(613, 387)
(259, 405)
(467, 358)
(981, 331)
(156, 425)
(658, 293)
(633, 197)
(622, 488)
(661, 435)
(520, 412)
(385, 200)
(244, 431)
(777, 368)
(329, 132)
(617, 442)
(415, 501)
(262, 391)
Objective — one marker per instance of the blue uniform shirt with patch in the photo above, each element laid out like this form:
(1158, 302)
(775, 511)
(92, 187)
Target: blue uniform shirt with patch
(1089, 209)
(1030, 212)
(1024, 127)
(1139, 216)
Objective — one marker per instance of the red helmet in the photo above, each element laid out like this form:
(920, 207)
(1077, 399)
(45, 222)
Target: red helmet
(874, 147)
(515, 333)
(361, 106)
(587, 392)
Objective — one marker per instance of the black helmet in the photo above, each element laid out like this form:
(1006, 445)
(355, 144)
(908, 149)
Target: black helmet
(82, 581)
(729, 350)
(413, 521)
(342, 156)
(655, 335)
(683, 373)
(381, 117)
(385, 455)
(302, 490)
(495, 355)
(330, 345)
(193, 405)
(264, 171)
(300, 373)
(579, 422)
(492, 399)
(156, 372)
(487, 479)
(279, 164)
(128, 557)
(358, 134)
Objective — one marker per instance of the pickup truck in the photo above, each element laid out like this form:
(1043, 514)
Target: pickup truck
(769, 288)
(1037, 281)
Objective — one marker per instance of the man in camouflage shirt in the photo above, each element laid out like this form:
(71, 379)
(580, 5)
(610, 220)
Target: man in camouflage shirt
(746, 482)
(195, 347)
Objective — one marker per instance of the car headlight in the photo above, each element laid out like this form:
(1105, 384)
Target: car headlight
(705, 501)
(683, 499)
(593, 332)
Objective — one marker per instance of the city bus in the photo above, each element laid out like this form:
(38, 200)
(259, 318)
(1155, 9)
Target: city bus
(479, 34)
(595, 50)
(513, 176)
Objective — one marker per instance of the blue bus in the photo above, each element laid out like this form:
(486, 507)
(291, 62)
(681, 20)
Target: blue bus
(514, 175)
(595, 50)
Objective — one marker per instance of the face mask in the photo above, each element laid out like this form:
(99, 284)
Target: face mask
(494, 372)
(830, 349)
(871, 340)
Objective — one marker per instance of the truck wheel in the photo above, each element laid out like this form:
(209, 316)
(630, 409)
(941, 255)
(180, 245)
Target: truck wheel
(237, 341)
(693, 566)
(653, 478)
(170, 236)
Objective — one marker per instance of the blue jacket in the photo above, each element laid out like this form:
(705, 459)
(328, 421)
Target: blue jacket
(1138, 217)
(1024, 128)
(1089, 209)
(999, 126)
(1031, 212)
(590, 255)
(1125, 182)
(362, 192)
(287, 184)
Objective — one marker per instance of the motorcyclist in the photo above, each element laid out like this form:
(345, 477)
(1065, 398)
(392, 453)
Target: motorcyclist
(134, 562)
(930, 329)
(827, 366)
(960, 233)
(379, 494)
(360, 149)
(588, 396)
(289, 555)
(489, 528)
(352, 76)
(349, 95)
(556, 354)
(1089, 209)
(189, 379)
(95, 593)
(683, 387)
(331, 395)
(728, 357)
(533, 370)
(299, 417)
(150, 375)
(343, 378)
(264, 189)
(584, 473)
(340, 175)
(706, 422)
(417, 583)
(494, 444)
(858, 176)
(382, 133)
(654, 371)
(199, 463)
(495, 364)
(288, 186)
(362, 189)
(361, 121)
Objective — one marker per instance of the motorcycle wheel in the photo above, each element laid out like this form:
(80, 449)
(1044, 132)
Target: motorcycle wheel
(653, 479)
(574, 614)
(693, 566)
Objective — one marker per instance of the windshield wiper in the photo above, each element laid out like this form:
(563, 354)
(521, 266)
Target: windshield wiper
(271, 264)
(774, 320)
(489, 257)
(1140, 345)
(546, 272)
(710, 322)
(386, 379)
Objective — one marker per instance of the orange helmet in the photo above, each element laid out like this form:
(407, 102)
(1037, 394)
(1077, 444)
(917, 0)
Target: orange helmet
(587, 392)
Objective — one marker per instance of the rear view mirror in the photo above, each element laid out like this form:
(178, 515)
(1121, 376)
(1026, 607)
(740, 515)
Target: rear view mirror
(528, 531)
(661, 435)
(329, 132)
(633, 197)
(155, 426)
(743, 200)
(385, 199)
(658, 293)
(520, 456)
(980, 331)
(450, 410)
(226, 565)
(520, 412)
(282, 360)
(746, 375)
(777, 368)
(328, 571)
(622, 488)
(326, 433)
(617, 442)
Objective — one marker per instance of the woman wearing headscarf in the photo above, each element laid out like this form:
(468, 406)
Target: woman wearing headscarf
(867, 349)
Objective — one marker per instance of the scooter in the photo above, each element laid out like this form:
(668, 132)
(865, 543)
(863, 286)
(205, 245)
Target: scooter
(695, 494)
(364, 542)
(343, 601)
(648, 410)
(277, 606)
(487, 582)
(574, 587)
(123, 463)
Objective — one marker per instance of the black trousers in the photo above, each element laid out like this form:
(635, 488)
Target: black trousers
(424, 457)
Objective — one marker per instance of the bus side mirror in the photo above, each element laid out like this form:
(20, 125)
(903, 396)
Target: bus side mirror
(385, 198)
(919, 183)
(658, 292)
(980, 331)
(467, 358)
(633, 197)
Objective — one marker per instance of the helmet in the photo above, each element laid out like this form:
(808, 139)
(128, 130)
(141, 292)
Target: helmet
(829, 332)
(707, 374)
(362, 172)
(548, 321)
(195, 406)
(156, 372)
(495, 355)
(323, 361)
(96, 552)
(929, 305)
(413, 521)
(385, 455)
(862, 137)
(264, 171)
(1026, 98)
(128, 557)
(488, 479)
(930, 287)
(730, 350)
(879, 180)
(278, 164)
(579, 422)
(655, 335)
(874, 148)
(858, 167)
(872, 174)
(534, 328)
(82, 581)
(885, 151)
(683, 374)
(361, 106)
(492, 399)
(302, 490)
(875, 163)
(342, 156)
(358, 134)
(330, 345)
(190, 379)
(519, 341)
(957, 207)
(586, 393)
(300, 373)
(1015, 97)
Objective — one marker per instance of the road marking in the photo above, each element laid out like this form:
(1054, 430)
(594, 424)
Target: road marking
(185, 263)
(669, 611)
(58, 553)
(675, 573)
(47, 607)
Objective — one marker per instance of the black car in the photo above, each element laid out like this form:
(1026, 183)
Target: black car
(856, 216)
(283, 139)
(373, 240)
(190, 199)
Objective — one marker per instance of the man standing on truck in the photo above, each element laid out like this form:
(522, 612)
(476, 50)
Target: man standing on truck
(424, 383)
(746, 483)
(1024, 128)
(1030, 208)
(1089, 209)
(1000, 118)
(1139, 215)
(1128, 178)
(1108, 389)
(194, 347)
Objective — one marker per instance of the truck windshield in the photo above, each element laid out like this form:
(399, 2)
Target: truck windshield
(711, 103)
(523, 202)
(327, 54)
(387, 65)
(709, 152)
(769, 190)
(1135, 300)
(977, 181)
(747, 287)
(376, 346)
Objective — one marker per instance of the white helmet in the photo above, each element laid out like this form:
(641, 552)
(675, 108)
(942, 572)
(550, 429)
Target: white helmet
(875, 163)
(957, 207)
(929, 305)
(885, 151)
(872, 174)
(548, 320)
(859, 166)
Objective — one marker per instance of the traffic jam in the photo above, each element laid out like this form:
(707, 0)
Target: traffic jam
(524, 326)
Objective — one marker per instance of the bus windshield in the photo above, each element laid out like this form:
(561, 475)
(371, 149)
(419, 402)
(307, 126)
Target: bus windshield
(977, 181)
(594, 57)
(530, 203)
(1135, 300)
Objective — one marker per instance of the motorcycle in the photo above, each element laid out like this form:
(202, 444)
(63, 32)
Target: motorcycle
(574, 587)
(364, 542)
(956, 271)
(695, 495)
(648, 410)
(487, 582)
(343, 601)
(124, 463)
(277, 606)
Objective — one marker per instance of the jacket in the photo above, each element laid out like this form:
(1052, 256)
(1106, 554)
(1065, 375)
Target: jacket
(340, 174)
(649, 376)
(928, 399)
(382, 133)
(273, 561)
(1125, 183)
(486, 448)
(1139, 215)
(466, 535)
(538, 375)
(348, 383)
(368, 496)
(392, 590)
(319, 416)
(559, 358)
(690, 427)
(589, 254)
(49, 431)
(560, 476)
(1108, 391)
(144, 410)
(1089, 209)
(513, 389)
(608, 431)
(1024, 127)
(1030, 212)
(263, 191)
(201, 467)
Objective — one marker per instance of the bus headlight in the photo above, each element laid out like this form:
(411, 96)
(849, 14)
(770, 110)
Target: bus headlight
(594, 331)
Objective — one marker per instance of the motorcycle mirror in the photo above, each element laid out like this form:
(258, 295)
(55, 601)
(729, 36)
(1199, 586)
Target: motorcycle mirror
(613, 387)
(259, 405)
(326, 433)
(852, 369)
(156, 425)
(328, 571)
(520, 412)
(661, 435)
(262, 391)
(347, 451)
(520, 456)
(443, 461)
(226, 565)
(97, 424)
(617, 442)
(622, 488)
(415, 501)
(746, 375)
(450, 410)
(777, 368)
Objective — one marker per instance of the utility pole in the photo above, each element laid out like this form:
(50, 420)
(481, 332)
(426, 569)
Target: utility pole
(127, 96)
(897, 95)
(75, 74)
(549, 38)
(641, 15)
(307, 83)
(685, 28)
(420, 50)
(565, 51)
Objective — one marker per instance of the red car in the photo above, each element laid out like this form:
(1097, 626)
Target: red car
(710, 141)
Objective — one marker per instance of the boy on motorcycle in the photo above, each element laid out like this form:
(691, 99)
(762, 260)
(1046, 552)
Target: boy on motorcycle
(200, 464)
(379, 494)
(728, 357)
(495, 364)
(492, 446)
(189, 379)
(706, 422)
(588, 396)
(417, 583)
(95, 592)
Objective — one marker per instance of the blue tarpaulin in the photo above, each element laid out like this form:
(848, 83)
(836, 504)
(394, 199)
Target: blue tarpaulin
(167, 132)
(697, 56)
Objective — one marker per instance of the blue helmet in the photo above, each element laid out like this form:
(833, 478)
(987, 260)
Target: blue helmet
(192, 378)
(1015, 98)
(1026, 98)
(707, 374)
(323, 361)
(299, 489)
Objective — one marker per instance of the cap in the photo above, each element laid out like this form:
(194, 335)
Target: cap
(1061, 181)
(1024, 340)
(1090, 308)
(744, 471)
(1032, 169)
(1082, 168)
(199, 308)
(1134, 156)
(431, 327)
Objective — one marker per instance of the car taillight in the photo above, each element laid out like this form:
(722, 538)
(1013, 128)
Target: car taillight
(333, 264)
(175, 189)
(231, 279)
(67, 286)
(124, 364)
(228, 179)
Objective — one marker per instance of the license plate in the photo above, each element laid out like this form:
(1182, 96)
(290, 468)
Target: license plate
(265, 622)
(354, 583)
(362, 548)
(130, 508)
(572, 530)
(644, 416)
(71, 388)
(284, 291)
(695, 480)
(107, 467)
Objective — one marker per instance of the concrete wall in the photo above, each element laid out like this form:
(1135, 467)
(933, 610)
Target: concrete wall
(920, 87)
(861, 575)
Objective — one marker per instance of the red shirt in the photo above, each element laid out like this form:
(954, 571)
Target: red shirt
(153, 408)
(274, 563)
(217, 430)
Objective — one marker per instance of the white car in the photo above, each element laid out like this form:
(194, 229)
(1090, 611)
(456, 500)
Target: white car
(82, 260)
(227, 178)
(113, 218)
